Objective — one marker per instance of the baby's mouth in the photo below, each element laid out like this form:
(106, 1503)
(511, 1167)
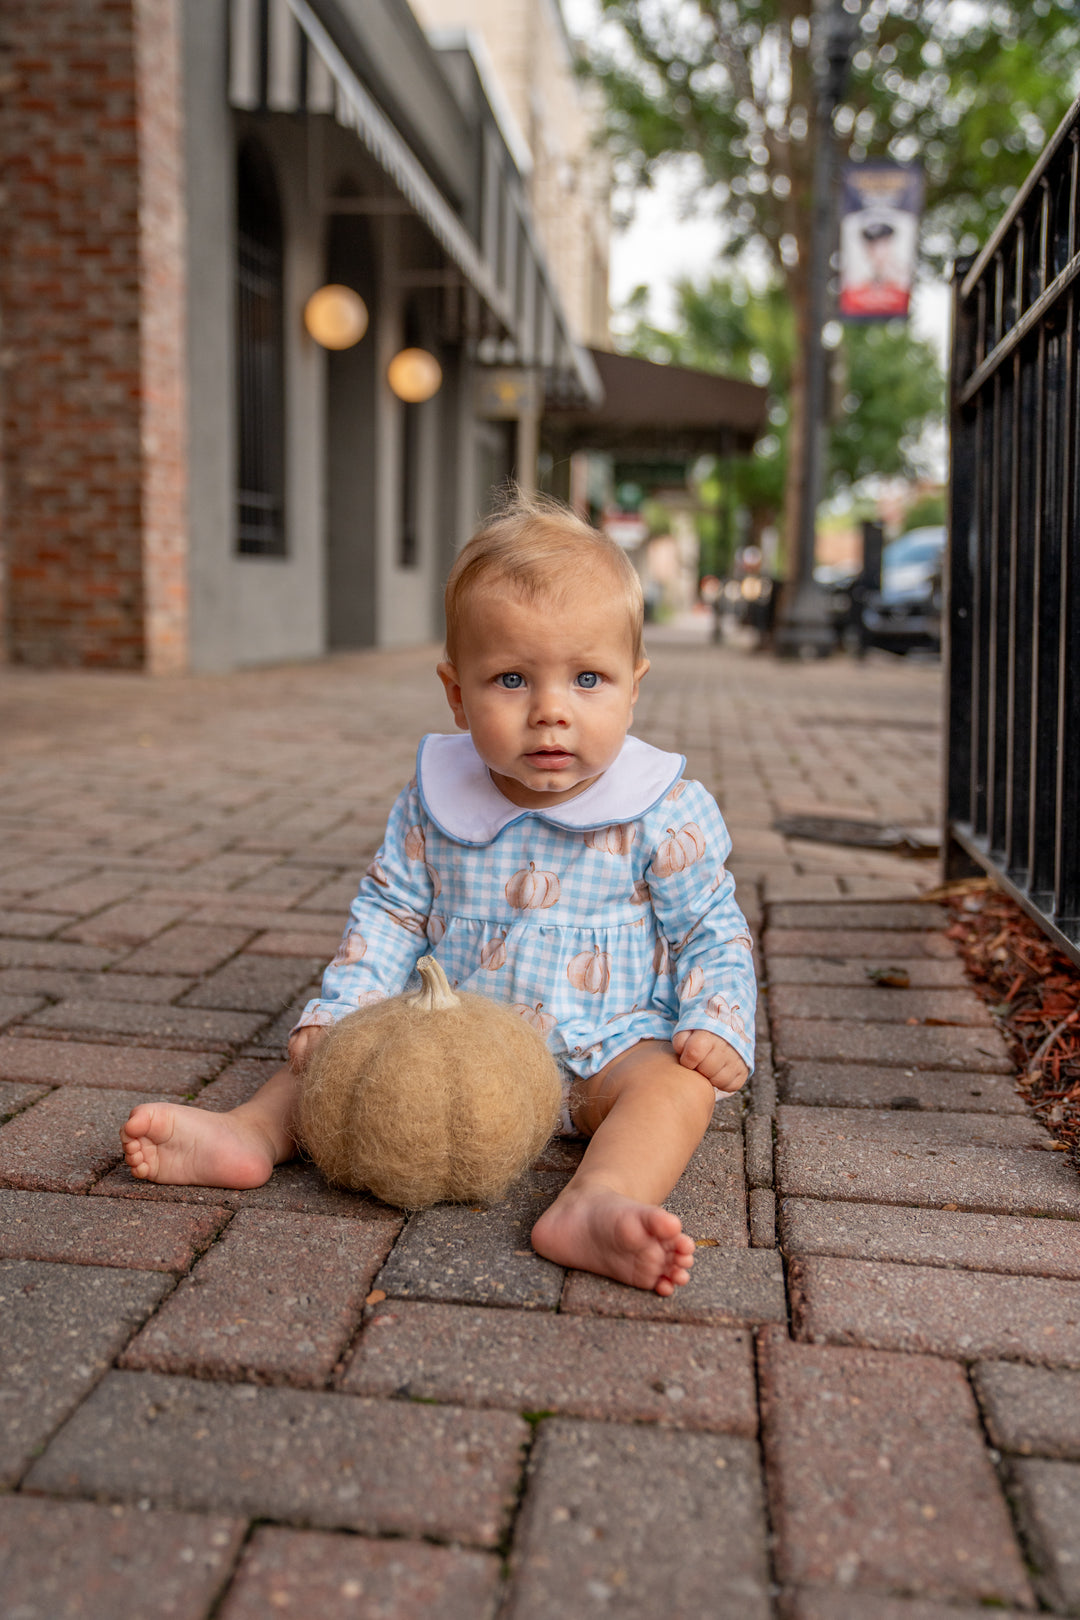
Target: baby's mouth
(549, 758)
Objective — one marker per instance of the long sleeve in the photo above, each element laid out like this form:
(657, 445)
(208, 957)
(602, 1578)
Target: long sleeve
(709, 942)
(387, 929)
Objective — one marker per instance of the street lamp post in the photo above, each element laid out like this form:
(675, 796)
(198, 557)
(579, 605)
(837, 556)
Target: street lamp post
(803, 621)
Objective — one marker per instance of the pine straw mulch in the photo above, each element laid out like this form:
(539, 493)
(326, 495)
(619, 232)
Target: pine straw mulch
(1033, 992)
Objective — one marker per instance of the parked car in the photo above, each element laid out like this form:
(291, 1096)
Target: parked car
(906, 613)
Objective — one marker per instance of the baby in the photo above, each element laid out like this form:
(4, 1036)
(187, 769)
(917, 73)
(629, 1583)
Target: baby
(551, 861)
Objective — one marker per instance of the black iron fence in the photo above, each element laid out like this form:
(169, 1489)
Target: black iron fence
(1013, 646)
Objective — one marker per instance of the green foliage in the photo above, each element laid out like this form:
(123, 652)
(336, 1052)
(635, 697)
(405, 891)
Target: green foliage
(891, 383)
(971, 89)
(894, 389)
(926, 510)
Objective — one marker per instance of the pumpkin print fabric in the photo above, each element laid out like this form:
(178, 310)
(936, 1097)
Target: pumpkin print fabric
(600, 936)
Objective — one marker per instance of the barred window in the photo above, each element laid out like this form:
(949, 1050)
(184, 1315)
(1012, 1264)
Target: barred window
(260, 358)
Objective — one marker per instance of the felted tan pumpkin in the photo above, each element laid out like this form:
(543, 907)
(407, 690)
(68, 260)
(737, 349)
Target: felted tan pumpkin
(429, 1096)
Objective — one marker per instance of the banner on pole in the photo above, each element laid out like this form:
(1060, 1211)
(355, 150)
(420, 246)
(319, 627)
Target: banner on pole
(879, 235)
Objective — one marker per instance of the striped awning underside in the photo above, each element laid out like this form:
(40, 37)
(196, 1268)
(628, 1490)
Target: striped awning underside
(294, 66)
(282, 59)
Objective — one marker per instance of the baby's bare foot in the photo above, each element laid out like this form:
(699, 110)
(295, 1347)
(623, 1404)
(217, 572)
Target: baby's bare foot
(596, 1229)
(168, 1143)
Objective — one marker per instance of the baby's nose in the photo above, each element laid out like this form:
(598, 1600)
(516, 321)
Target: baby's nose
(549, 706)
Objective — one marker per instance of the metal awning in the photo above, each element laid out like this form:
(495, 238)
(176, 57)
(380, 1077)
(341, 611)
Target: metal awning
(283, 59)
(659, 410)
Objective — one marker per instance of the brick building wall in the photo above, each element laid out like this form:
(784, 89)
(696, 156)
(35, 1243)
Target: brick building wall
(91, 304)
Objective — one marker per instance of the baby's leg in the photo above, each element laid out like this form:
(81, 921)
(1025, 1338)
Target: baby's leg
(647, 1114)
(167, 1142)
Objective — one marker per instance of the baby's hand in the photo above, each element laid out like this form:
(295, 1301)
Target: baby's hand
(700, 1049)
(302, 1044)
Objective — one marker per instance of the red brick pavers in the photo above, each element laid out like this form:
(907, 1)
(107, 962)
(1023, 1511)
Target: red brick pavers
(312, 1405)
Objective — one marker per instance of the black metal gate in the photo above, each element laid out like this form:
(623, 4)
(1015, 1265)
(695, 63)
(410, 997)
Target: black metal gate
(1013, 648)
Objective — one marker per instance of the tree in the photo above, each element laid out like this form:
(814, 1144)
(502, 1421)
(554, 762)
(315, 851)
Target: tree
(969, 88)
(889, 383)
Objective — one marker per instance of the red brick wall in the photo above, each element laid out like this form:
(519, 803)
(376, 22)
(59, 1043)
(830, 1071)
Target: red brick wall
(91, 391)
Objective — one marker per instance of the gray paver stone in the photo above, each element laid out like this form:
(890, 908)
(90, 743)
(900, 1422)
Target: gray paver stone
(1048, 1500)
(639, 1522)
(128, 923)
(98, 1232)
(188, 948)
(879, 947)
(14, 1008)
(738, 1287)
(924, 973)
(46, 1367)
(32, 924)
(81, 986)
(294, 1186)
(876, 1005)
(856, 1085)
(1033, 1411)
(328, 1461)
(81, 1063)
(759, 1150)
(898, 1046)
(67, 1559)
(868, 914)
(478, 1256)
(236, 1084)
(14, 1098)
(827, 1603)
(630, 1372)
(255, 983)
(727, 1112)
(922, 1158)
(761, 1205)
(27, 953)
(930, 1311)
(65, 1141)
(325, 1577)
(762, 1087)
(169, 1025)
(710, 1197)
(302, 940)
(276, 1300)
(879, 1478)
(931, 1237)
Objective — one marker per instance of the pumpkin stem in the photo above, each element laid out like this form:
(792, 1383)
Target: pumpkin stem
(435, 994)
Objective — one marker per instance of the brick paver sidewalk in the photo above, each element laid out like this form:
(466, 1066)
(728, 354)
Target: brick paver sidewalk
(863, 1407)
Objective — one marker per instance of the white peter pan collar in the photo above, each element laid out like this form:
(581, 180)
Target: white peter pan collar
(458, 794)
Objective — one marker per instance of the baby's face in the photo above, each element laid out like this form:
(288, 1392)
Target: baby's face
(546, 691)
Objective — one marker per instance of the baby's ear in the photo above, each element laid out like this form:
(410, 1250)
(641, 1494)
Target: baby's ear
(449, 677)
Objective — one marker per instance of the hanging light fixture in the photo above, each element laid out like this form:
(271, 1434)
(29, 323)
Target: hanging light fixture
(336, 316)
(414, 375)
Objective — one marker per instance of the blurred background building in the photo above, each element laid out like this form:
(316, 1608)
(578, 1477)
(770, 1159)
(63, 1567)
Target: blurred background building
(196, 474)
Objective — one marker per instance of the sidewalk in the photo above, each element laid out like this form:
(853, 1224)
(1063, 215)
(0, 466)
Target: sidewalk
(864, 1406)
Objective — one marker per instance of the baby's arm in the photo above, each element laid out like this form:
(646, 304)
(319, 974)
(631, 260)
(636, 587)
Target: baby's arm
(693, 899)
(387, 928)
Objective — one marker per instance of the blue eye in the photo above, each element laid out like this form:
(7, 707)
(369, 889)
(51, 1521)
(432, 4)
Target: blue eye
(510, 681)
(589, 679)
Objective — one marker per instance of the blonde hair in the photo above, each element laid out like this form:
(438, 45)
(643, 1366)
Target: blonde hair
(536, 544)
